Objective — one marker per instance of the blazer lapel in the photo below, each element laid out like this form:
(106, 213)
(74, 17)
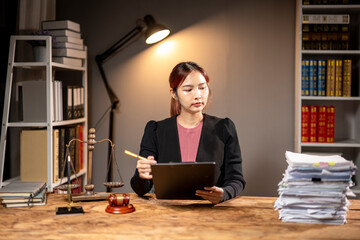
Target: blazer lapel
(200, 156)
(169, 146)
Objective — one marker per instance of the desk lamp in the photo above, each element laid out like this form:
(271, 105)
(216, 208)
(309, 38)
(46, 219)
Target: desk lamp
(153, 33)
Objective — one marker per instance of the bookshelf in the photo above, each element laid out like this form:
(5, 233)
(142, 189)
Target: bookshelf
(347, 108)
(50, 71)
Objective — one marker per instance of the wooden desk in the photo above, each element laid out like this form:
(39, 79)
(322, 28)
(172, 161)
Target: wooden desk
(240, 218)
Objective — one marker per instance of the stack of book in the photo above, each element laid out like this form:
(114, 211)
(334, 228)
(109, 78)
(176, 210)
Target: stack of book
(23, 194)
(318, 124)
(69, 47)
(331, 77)
(314, 189)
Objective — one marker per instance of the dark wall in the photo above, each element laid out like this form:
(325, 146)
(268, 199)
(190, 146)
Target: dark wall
(8, 20)
(247, 47)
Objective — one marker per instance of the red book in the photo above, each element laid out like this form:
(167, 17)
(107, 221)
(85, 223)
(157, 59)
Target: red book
(79, 181)
(330, 124)
(305, 118)
(81, 149)
(321, 127)
(313, 124)
(77, 149)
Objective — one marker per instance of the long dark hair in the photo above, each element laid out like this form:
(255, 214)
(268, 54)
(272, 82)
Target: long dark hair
(177, 76)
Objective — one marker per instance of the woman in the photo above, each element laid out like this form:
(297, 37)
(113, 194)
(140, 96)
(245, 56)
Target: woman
(190, 135)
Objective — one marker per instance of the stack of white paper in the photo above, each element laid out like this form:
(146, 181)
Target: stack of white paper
(314, 189)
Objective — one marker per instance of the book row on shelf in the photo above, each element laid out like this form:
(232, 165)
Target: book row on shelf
(330, 77)
(69, 47)
(33, 153)
(62, 136)
(325, 37)
(317, 124)
(327, 23)
(68, 101)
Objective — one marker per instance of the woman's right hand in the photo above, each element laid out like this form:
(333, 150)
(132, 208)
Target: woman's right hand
(144, 167)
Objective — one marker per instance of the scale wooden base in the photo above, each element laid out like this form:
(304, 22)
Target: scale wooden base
(95, 197)
(89, 195)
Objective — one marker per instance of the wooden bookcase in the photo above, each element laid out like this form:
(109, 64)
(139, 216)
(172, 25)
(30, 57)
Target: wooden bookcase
(347, 109)
(51, 70)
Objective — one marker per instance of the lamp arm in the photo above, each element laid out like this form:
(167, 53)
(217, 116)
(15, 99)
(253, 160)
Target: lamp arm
(103, 56)
(113, 98)
(110, 51)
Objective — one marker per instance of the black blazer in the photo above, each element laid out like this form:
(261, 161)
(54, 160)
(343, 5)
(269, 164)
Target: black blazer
(218, 143)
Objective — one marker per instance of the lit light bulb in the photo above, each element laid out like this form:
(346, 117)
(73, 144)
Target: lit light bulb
(158, 36)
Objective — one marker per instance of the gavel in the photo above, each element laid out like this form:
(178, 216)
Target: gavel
(119, 199)
(119, 203)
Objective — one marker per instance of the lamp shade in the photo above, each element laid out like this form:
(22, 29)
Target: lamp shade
(155, 32)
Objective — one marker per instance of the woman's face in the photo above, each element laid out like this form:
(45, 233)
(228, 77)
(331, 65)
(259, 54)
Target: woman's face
(193, 93)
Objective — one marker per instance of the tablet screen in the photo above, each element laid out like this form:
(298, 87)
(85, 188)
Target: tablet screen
(181, 180)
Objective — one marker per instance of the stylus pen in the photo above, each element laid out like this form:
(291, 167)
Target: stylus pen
(134, 155)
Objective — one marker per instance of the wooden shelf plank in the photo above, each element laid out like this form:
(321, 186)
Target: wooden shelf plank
(330, 98)
(348, 143)
(44, 124)
(55, 65)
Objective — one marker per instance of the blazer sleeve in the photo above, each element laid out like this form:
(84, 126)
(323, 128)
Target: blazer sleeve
(148, 147)
(233, 182)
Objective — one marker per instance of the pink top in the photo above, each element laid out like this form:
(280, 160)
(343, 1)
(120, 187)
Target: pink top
(189, 139)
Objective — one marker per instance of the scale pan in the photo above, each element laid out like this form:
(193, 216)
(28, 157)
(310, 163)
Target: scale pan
(113, 184)
(65, 186)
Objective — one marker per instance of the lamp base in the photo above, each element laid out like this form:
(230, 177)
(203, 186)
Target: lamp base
(120, 209)
(89, 195)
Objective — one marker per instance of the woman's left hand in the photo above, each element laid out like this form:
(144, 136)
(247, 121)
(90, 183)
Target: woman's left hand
(213, 194)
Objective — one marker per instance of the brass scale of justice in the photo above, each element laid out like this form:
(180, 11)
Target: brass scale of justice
(118, 203)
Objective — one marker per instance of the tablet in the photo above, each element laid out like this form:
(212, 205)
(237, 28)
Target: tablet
(181, 180)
